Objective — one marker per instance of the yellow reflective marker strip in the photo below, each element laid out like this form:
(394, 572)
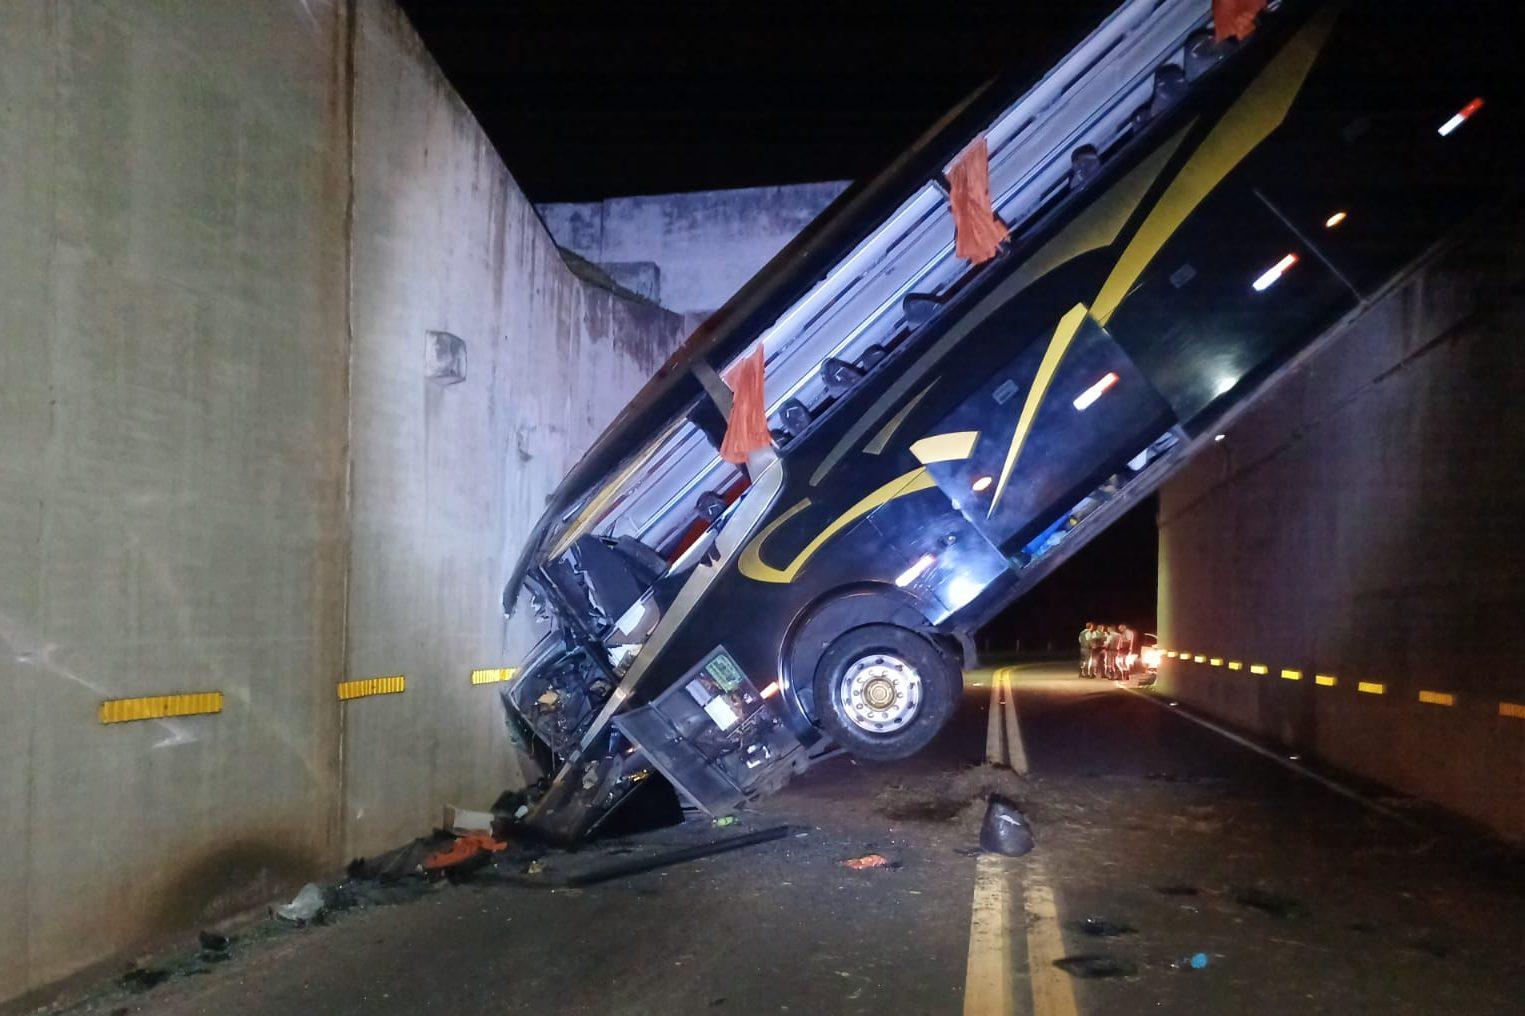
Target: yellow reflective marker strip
(1235, 665)
(1514, 709)
(1292, 675)
(1259, 668)
(490, 676)
(1199, 659)
(1327, 680)
(158, 707)
(1437, 698)
(1216, 661)
(1171, 654)
(1371, 687)
(372, 686)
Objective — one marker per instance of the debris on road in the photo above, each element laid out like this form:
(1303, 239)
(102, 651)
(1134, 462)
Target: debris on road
(214, 947)
(639, 865)
(1098, 927)
(1268, 902)
(1177, 890)
(1196, 961)
(1090, 966)
(945, 798)
(463, 820)
(462, 850)
(868, 861)
(304, 908)
(141, 979)
(726, 820)
(1005, 829)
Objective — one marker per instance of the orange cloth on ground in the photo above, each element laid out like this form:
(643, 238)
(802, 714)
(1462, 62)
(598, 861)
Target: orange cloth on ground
(1235, 19)
(977, 233)
(463, 849)
(747, 429)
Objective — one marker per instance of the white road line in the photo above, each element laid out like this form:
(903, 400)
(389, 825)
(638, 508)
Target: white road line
(988, 988)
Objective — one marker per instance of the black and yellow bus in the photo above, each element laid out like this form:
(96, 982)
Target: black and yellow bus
(1185, 216)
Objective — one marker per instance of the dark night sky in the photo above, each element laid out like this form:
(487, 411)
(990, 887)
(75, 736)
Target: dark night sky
(590, 101)
(587, 101)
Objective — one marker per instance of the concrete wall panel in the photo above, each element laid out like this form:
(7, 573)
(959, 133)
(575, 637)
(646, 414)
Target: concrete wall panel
(173, 415)
(1362, 521)
(447, 479)
(703, 245)
(219, 443)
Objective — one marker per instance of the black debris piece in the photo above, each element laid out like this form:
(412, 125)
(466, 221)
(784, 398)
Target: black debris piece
(140, 979)
(1098, 927)
(1005, 829)
(1091, 966)
(1177, 890)
(1270, 903)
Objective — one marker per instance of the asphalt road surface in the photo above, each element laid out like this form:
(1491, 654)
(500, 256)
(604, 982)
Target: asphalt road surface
(1175, 871)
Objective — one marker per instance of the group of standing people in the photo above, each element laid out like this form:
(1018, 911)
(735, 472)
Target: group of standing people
(1107, 651)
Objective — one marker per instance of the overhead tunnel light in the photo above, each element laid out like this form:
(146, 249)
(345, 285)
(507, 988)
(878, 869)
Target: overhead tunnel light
(1335, 219)
(1462, 116)
(1084, 399)
(1273, 275)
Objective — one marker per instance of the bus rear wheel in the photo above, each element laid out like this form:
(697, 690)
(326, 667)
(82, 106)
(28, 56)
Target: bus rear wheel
(883, 692)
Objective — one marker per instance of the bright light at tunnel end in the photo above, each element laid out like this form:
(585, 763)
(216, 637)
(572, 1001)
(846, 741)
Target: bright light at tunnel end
(1084, 399)
(1273, 275)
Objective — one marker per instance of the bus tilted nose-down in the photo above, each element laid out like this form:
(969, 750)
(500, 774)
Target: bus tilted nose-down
(1185, 215)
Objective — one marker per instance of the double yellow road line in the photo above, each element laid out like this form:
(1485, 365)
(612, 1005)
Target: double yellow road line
(990, 978)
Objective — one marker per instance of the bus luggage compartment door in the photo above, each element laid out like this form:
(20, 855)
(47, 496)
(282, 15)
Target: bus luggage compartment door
(713, 735)
(1050, 425)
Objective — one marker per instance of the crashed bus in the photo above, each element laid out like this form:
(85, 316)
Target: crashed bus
(1182, 215)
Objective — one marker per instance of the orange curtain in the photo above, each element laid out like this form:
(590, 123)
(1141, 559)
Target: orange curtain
(1235, 19)
(977, 233)
(747, 429)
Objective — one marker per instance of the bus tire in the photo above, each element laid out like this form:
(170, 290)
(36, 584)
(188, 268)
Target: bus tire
(882, 692)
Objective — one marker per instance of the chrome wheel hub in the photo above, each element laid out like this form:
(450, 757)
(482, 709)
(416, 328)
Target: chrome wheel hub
(880, 693)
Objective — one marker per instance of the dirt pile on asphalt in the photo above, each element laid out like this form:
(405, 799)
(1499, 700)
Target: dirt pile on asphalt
(945, 797)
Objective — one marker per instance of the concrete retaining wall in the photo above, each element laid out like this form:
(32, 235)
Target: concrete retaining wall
(1363, 523)
(449, 479)
(689, 252)
(219, 441)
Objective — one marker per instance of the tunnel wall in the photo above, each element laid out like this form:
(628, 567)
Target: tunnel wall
(223, 468)
(448, 480)
(1362, 522)
(697, 248)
